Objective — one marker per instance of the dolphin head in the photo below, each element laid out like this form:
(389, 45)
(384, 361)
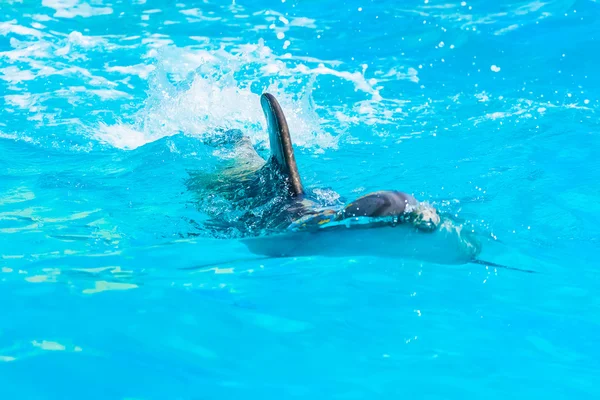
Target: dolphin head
(424, 217)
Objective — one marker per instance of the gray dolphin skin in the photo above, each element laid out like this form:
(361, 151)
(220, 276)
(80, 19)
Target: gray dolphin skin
(280, 142)
(387, 224)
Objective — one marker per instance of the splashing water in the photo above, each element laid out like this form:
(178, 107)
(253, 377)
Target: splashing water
(218, 94)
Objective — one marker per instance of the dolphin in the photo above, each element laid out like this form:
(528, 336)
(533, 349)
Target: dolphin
(387, 224)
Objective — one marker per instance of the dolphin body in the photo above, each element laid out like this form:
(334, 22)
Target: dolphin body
(387, 224)
(444, 246)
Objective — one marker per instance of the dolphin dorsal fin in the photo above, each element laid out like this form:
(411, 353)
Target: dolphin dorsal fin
(282, 151)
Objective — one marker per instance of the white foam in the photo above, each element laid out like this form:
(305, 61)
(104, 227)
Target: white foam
(356, 77)
(110, 94)
(496, 115)
(509, 28)
(530, 7)
(156, 41)
(49, 345)
(411, 74)
(13, 27)
(24, 101)
(80, 39)
(303, 22)
(42, 18)
(141, 70)
(482, 97)
(24, 50)
(16, 75)
(73, 8)
(122, 136)
(193, 12)
(197, 15)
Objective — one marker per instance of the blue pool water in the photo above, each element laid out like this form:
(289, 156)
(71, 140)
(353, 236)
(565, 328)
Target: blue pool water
(489, 110)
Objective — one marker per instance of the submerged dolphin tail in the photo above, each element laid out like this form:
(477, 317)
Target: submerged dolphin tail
(282, 151)
(226, 263)
(491, 264)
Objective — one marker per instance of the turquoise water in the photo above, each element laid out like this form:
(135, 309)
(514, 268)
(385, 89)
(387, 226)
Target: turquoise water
(489, 111)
